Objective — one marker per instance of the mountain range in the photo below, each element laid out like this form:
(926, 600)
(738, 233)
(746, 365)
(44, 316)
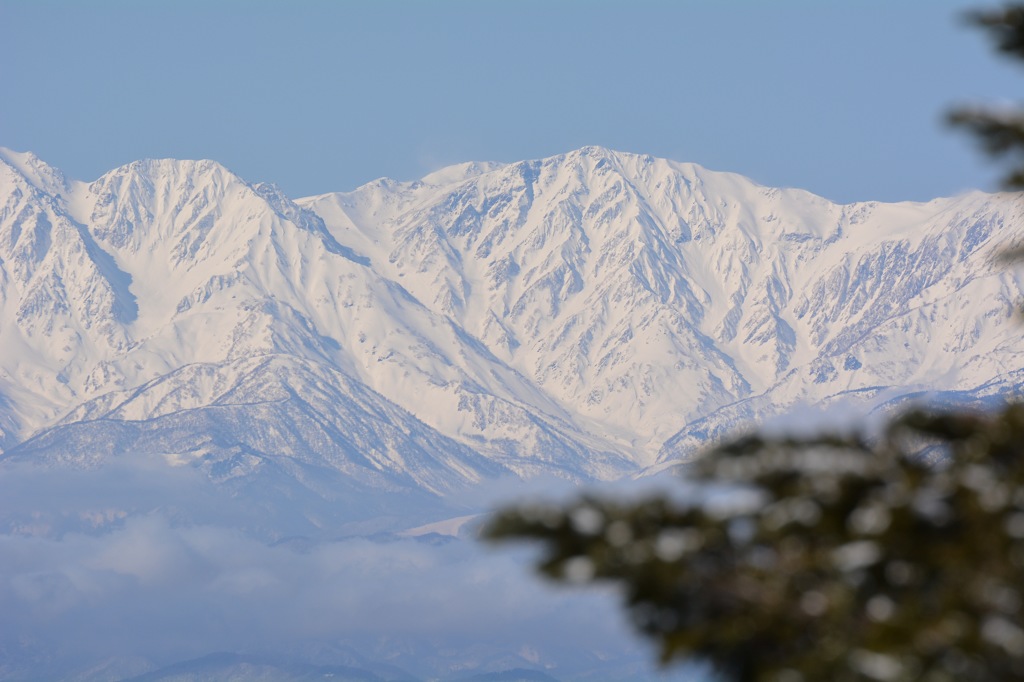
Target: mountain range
(245, 436)
(588, 316)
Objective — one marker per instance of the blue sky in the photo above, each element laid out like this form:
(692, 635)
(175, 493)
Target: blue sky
(844, 98)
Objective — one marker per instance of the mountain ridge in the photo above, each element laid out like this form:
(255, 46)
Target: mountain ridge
(585, 316)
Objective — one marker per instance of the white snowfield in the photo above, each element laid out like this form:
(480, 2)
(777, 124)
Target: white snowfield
(587, 315)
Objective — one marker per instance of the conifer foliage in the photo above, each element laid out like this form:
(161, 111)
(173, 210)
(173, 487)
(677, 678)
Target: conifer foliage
(895, 557)
(1000, 130)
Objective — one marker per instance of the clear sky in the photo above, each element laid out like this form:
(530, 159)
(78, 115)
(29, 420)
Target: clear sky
(842, 97)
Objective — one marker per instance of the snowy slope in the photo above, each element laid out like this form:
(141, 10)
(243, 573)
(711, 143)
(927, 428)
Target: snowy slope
(584, 315)
(170, 308)
(643, 295)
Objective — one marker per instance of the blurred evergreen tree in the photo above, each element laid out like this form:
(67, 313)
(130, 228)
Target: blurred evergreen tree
(891, 556)
(897, 557)
(1000, 129)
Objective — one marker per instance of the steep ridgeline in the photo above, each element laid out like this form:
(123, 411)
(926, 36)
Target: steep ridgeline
(170, 308)
(582, 315)
(643, 295)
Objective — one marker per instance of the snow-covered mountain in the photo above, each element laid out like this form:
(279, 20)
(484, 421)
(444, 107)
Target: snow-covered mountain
(586, 315)
(644, 295)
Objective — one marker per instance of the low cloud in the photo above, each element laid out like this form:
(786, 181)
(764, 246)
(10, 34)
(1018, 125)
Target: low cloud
(136, 581)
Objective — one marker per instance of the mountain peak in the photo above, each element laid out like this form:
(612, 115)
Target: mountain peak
(167, 171)
(459, 172)
(600, 152)
(37, 172)
(639, 168)
(16, 158)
